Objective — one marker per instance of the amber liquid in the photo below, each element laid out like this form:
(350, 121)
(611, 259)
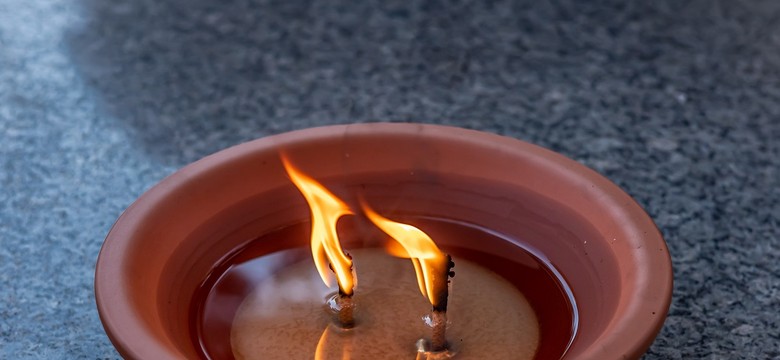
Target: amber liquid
(215, 304)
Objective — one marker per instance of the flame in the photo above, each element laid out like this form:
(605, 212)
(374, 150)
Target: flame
(430, 264)
(326, 209)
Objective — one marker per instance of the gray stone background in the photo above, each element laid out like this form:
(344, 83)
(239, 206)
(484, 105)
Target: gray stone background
(675, 101)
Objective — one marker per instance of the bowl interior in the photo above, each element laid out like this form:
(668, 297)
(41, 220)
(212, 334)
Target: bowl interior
(600, 241)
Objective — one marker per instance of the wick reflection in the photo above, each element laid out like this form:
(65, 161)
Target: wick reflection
(323, 344)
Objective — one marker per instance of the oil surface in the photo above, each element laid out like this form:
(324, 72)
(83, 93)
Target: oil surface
(286, 316)
(216, 303)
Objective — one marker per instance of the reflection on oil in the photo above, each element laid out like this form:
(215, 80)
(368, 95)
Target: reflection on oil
(423, 352)
(341, 344)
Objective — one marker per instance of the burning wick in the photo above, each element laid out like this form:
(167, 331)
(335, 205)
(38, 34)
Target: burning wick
(344, 307)
(439, 312)
(326, 209)
(433, 269)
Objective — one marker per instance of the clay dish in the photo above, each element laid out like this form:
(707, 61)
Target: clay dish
(596, 236)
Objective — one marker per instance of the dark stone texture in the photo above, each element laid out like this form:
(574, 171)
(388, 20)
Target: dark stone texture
(675, 101)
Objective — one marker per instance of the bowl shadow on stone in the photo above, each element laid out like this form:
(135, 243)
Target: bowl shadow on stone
(187, 78)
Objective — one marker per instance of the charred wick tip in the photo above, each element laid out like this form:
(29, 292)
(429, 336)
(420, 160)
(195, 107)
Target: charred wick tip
(346, 313)
(444, 293)
(442, 305)
(450, 265)
(351, 268)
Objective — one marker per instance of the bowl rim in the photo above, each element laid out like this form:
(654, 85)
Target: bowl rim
(628, 336)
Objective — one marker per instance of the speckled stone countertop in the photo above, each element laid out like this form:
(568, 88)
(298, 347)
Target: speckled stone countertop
(677, 102)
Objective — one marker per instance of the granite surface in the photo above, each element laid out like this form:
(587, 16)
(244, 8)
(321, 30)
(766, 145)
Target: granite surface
(678, 102)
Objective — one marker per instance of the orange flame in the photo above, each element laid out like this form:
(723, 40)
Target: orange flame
(326, 209)
(430, 264)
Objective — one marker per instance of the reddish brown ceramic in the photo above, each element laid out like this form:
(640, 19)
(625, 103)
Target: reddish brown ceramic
(604, 245)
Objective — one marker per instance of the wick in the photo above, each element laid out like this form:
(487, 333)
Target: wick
(346, 309)
(344, 304)
(439, 338)
(439, 313)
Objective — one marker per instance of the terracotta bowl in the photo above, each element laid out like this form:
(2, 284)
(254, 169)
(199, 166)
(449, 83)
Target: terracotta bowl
(600, 241)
